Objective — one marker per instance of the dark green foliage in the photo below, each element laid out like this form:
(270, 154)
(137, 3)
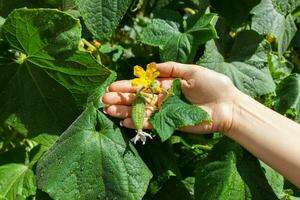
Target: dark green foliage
(55, 143)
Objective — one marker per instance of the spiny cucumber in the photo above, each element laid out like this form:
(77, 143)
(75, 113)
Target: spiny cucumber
(138, 112)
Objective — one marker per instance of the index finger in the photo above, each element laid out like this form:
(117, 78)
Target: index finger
(176, 70)
(123, 86)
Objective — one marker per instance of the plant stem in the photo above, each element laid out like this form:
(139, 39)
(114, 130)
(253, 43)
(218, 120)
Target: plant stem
(87, 43)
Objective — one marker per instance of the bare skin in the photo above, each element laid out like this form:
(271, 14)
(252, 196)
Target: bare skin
(268, 135)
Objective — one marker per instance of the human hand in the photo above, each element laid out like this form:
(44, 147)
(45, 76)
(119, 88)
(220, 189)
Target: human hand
(210, 90)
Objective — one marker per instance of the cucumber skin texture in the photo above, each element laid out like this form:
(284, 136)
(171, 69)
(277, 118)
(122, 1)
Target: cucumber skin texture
(138, 112)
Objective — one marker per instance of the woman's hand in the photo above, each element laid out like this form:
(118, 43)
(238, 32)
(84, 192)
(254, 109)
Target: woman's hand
(210, 90)
(268, 135)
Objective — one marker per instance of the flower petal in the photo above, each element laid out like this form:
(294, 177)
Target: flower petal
(155, 74)
(141, 135)
(135, 82)
(138, 71)
(141, 82)
(135, 138)
(147, 135)
(151, 67)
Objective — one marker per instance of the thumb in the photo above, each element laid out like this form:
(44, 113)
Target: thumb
(176, 70)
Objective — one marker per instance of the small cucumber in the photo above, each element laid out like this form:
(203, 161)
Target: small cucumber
(138, 112)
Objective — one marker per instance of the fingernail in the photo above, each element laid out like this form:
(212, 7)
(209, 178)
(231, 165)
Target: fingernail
(101, 100)
(106, 89)
(121, 123)
(105, 110)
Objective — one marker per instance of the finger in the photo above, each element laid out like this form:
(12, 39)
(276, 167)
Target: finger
(165, 83)
(176, 70)
(123, 86)
(118, 98)
(128, 123)
(121, 111)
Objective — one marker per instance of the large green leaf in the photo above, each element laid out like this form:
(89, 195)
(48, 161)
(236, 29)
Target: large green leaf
(229, 172)
(219, 178)
(39, 32)
(267, 20)
(17, 182)
(245, 63)
(102, 17)
(50, 79)
(93, 160)
(175, 113)
(288, 97)
(234, 11)
(174, 44)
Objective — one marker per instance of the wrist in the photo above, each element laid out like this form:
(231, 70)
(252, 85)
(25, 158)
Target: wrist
(243, 105)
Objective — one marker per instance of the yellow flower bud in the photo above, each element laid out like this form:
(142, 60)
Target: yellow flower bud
(96, 44)
(270, 38)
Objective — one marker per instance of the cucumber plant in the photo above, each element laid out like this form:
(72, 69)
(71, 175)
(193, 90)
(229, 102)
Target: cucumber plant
(57, 57)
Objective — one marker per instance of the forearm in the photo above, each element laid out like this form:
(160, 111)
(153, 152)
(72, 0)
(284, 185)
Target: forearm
(268, 135)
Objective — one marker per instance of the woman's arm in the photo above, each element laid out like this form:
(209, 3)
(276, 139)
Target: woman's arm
(268, 135)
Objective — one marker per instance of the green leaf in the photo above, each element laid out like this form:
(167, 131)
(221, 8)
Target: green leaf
(288, 97)
(229, 172)
(292, 190)
(113, 50)
(267, 20)
(93, 160)
(245, 63)
(68, 4)
(45, 140)
(12, 133)
(102, 17)
(7, 6)
(285, 6)
(39, 32)
(234, 11)
(2, 20)
(17, 182)
(275, 180)
(189, 183)
(219, 178)
(175, 113)
(254, 178)
(175, 44)
(279, 67)
(49, 79)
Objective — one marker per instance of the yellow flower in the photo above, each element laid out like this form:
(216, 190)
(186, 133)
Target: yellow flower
(96, 44)
(145, 78)
(270, 38)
